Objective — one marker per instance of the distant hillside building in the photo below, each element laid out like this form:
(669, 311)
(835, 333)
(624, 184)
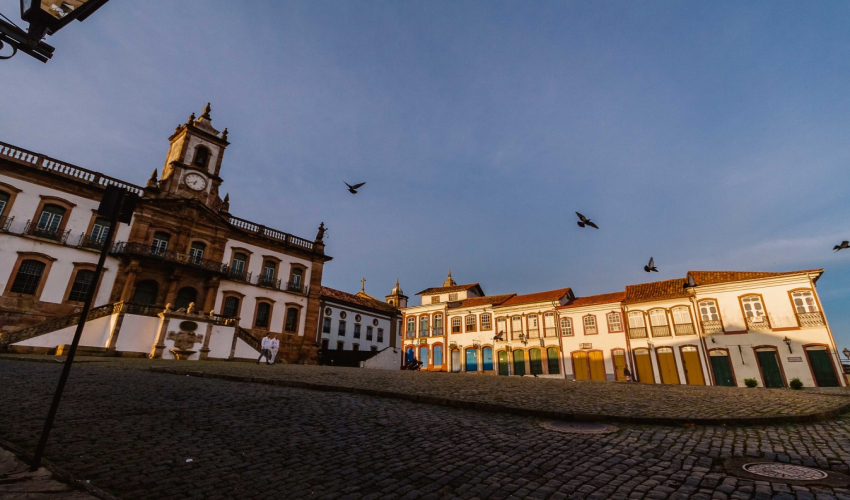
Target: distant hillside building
(182, 247)
(709, 328)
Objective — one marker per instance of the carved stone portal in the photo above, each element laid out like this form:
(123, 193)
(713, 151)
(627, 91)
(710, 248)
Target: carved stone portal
(185, 339)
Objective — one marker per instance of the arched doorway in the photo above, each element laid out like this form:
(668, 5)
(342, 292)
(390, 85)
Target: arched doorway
(822, 368)
(504, 363)
(692, 365)
(456, 360)
(643, 366)
(535, 362)
(145, 292)
(519, 363)
(667, 365)
(552, 361)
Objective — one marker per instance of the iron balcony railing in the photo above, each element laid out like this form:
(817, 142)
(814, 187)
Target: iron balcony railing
(6, 223)
(550, 331)
(637, 332)
(684, 329)
(238, 275)
(423, 332)
(169, 255)
(810, 319)
(268, 282)
(295, 287)
(86, 241)
(661, 331)
(410, 334)
(438, 331)
(714, 326)
(32, 229)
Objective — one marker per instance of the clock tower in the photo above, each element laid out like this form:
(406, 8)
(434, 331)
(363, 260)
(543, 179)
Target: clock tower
(194, 159)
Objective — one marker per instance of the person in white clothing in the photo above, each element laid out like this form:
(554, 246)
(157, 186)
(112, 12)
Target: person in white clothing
(265, 345)
(274, 345)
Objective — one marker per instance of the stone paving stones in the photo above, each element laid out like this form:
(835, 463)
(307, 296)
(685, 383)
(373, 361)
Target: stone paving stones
(130, 432)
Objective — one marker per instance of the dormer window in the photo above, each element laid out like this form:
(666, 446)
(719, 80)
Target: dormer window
(452, 297)
(202, 157)
(435, 299)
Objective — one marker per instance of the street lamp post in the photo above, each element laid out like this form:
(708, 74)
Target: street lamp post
(45, 17)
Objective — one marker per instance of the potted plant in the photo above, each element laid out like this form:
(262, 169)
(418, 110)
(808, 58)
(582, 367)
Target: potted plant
(796, 384)
(751, 382)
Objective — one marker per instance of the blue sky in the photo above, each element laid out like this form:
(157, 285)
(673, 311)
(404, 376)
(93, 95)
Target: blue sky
(710, 135)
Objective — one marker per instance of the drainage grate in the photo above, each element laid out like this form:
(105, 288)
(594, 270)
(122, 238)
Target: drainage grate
(578, 427)
(785, 471)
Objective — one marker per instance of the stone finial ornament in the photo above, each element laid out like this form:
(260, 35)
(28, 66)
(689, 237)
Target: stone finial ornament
(152, 182)
(191, 119)
(167, 308)
(224, 134)
(320, 236)
(225, 205)
(206, 114)
(191, 308)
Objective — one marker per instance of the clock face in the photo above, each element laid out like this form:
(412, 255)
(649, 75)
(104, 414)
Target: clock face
(195, 182)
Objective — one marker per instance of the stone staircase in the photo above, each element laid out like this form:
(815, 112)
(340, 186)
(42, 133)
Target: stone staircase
(53, 324)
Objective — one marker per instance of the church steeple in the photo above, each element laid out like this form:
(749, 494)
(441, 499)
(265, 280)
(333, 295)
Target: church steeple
(194, 160)
(397, 298)
(449, 281)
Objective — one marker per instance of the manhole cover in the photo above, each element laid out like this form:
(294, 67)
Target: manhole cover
(785, 471)
(579, 427)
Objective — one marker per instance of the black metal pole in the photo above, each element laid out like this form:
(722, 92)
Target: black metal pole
(54, 407)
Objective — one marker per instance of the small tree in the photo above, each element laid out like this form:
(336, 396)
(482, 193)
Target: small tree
(751, 382)
(796, 384)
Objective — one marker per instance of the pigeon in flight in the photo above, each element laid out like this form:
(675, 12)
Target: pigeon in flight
(498, 336)
(650, 266)
(842, 246)
(353, 189)
(584, 221)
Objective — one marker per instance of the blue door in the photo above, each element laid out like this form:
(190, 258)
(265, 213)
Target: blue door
(487, 358)
(472, 360)
(423, 356)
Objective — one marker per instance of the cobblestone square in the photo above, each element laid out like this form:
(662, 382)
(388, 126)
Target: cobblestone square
(145, 435)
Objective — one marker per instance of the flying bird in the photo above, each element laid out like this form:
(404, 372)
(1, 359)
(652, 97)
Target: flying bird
(498, 336)
(353, 189)
(584, 221)
(842, 246)
(651, 266)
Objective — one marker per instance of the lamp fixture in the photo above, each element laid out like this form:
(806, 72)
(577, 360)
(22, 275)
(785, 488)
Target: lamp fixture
(788, 343)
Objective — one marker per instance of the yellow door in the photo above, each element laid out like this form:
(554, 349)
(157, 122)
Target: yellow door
(619, 357)
(581, 370)
(667, 365)
(692, 366)
(597, 365)
(643, 366)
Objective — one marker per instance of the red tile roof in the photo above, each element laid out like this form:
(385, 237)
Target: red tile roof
(592, 300)
(713, 277)
(486, 300)
(357, 300)
(447, 289)
(657, 290)
(537, 297)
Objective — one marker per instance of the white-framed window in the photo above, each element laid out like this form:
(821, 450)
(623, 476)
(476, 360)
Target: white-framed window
(501, 326)
(516, 326)
(566, 327)
(423, 325)
(636, 320)
(411, 327)
(533, 326)
(804, 301)
(452, 297)
(708, 310)
(549, 324)
(615, 324)
(435, 299)
(99, 230)
(681, 315)
(470, 323)
(456, 324)
(50, 218)
(160, 242)
(196, 251)
(753, 308)
(485, 322)
(589, 324)
(438, 324)
(658, 317)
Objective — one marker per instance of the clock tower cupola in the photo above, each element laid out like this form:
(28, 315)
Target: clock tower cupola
(194, 159)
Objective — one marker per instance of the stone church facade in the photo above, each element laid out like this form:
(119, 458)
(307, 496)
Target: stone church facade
(182, 247)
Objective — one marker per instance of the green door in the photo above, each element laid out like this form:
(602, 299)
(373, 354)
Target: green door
(770, 368)
(535, 361)
(553, 361)
(822, 366)
(722, 368)
(519, 363)
(503, 363)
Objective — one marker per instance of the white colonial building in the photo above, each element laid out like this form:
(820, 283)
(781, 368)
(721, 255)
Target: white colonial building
(221, 275)
(710, 328)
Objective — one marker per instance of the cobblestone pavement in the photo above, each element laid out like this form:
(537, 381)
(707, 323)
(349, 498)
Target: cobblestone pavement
(18, 483)
(139, 434)
(644, 403)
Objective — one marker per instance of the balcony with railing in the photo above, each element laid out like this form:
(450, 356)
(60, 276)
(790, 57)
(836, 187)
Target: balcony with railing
(235, 275)
(638, 332)
(410, 334)
(661, 331)
(423, 332)
(533, 333)
(684, 329)
(714, 326)
(810, 319)
(146, 250)
(438, 331)
(268, 282)
(758, 323)
(54, 234)
(550, 331)
(6, 223)
(95, 243)
(295, 287)
(267, 232)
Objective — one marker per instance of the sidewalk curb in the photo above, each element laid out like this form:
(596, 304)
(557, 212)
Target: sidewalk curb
(58, 472)
(513, 410)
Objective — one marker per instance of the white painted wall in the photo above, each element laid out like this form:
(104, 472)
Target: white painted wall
(95, 334)
(243, 350)
(367, 319)
(138, 333)
(387, 359)
(221, 340)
